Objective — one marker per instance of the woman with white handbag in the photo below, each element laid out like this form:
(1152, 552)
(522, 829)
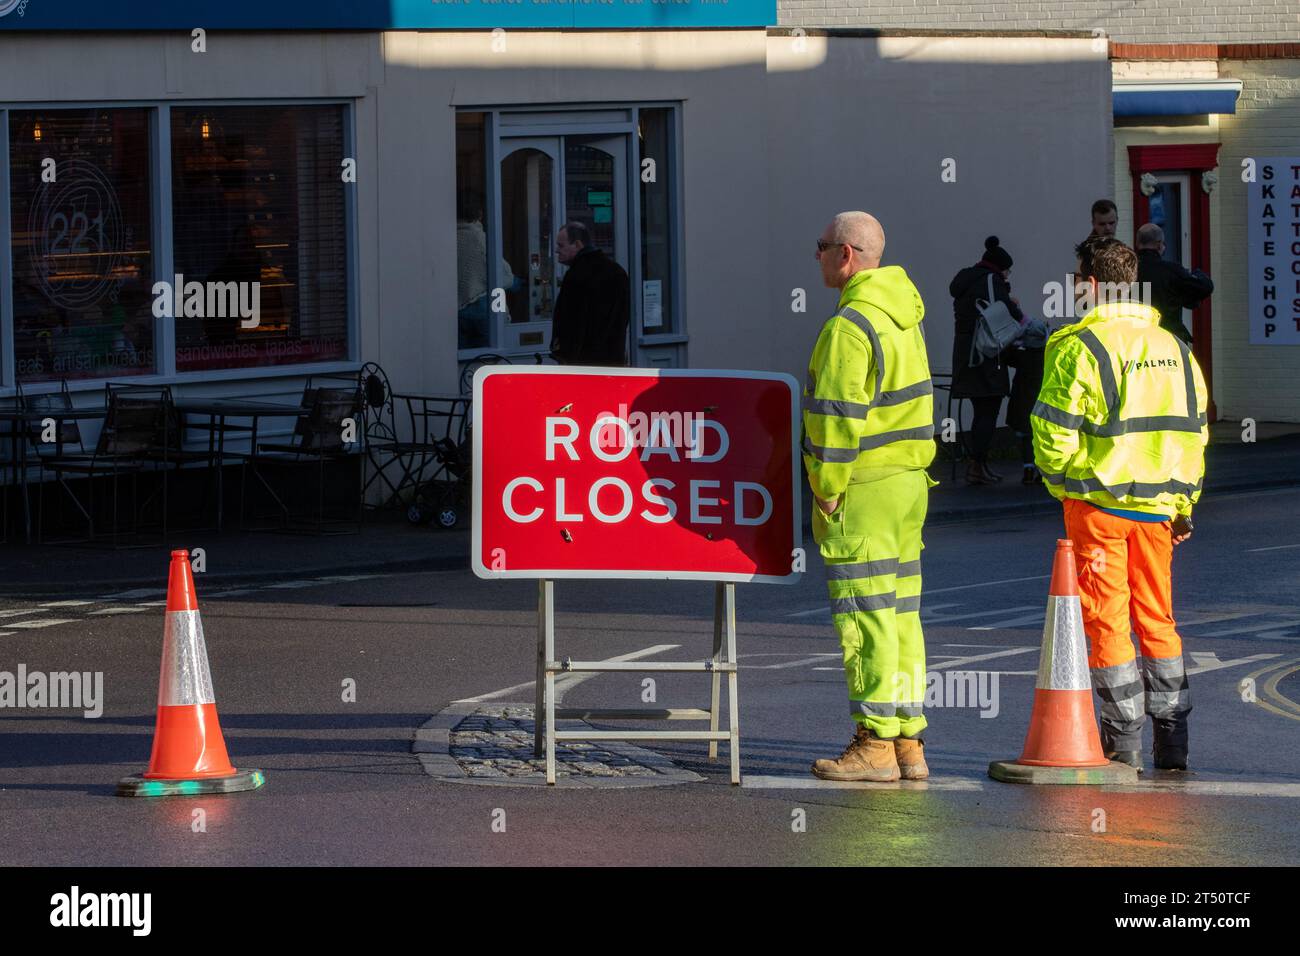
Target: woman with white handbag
(987, 320)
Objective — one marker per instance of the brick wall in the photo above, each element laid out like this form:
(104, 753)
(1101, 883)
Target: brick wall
(1148, 21)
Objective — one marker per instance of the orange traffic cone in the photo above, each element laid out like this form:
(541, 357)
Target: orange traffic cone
(189, 753)
(1062, 745)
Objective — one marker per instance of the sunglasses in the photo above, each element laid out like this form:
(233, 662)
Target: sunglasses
(823, 245)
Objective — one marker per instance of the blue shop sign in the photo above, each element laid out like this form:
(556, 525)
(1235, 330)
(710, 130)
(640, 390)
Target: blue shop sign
(381, 14)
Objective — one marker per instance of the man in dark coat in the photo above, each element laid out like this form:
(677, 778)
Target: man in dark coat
(594, 306)
(1173, 288)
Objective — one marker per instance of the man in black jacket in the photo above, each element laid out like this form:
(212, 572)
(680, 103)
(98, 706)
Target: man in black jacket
(1173, 288)
(592, 311)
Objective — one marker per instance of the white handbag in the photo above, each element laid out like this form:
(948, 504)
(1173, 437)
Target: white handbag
(994, 331)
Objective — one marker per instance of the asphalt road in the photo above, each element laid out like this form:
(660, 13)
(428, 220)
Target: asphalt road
(344, 788)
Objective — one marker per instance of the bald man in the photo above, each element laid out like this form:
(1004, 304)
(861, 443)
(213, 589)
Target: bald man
(868, 435)
(1172, 288)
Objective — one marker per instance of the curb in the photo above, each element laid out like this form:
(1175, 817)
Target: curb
(449, 562)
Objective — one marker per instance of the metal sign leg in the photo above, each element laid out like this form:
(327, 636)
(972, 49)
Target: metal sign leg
(715, 701)
(539, 693)
(547, 598)
(732, 703)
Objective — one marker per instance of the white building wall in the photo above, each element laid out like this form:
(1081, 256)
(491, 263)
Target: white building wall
(866, 123)
(775, 141)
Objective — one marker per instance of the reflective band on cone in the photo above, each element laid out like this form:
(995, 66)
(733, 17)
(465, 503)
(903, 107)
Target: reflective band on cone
(189, 751)
(1062, 736)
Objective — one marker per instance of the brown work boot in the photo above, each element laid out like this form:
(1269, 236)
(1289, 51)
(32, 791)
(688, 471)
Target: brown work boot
(911, 758)
(867, 757)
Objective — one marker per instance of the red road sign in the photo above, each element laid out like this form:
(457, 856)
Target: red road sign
(635, 473)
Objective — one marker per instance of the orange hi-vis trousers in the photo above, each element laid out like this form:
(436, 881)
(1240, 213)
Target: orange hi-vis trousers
(1124, 586)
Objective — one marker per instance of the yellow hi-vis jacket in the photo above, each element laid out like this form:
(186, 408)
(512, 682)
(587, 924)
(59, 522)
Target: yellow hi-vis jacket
(1121, 418)
(868, 405)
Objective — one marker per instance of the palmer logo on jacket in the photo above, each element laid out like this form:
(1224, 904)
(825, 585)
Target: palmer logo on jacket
(1132, 366)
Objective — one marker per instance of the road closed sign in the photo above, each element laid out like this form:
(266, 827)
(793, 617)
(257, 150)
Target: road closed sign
(635, 473)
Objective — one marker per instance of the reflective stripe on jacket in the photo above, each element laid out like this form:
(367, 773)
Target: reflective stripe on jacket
(868, 407)
(1121, 418)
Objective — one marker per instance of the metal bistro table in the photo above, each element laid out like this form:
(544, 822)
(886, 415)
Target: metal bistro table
(21, 421)
(217, 411)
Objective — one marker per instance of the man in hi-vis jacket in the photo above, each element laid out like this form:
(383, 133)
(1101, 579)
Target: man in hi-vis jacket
(868, 435)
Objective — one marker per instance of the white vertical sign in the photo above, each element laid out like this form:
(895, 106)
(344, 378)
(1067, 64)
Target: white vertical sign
(652, 304)
(1273, 251)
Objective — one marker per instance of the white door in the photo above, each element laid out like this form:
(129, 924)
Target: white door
(546, 182)
(1171, 210)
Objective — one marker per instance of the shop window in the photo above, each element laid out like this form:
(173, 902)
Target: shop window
(473, 315)
(81, 242)
(260, 223)
(657, 292)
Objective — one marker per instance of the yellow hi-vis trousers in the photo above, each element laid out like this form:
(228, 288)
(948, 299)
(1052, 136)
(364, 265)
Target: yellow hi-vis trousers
(872, 548)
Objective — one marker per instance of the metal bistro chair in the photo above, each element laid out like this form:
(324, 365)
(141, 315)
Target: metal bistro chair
(476, 363)
(398, 446)
(34, 433)
(443, 423)
(318, 438)
(136, 417)
(960, 453)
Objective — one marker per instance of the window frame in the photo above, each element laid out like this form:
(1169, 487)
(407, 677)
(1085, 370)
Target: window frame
(164, 252)
(495, 131)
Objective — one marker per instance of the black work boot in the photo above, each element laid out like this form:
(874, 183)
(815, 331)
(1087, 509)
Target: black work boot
(1122, 745)
(1169, 745)
(1131, 757)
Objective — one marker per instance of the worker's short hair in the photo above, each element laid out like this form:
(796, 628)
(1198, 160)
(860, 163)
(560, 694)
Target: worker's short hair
(577, 232)
(1109, 260)
(1103, 206)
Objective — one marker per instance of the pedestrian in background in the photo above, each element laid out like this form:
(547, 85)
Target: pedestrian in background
(1105, 219)
(1173, 288)
(985, 381)
(868, 435)
(594, 306)
(1119, 435)
(1026, 357)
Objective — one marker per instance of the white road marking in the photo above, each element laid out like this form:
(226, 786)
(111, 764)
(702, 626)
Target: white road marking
(1216, 788)
(958, 661)
(567, 682)
(1009, 652)
(809, 782)
(935, 607)
(815, 659)
(131, 595)
(817, 610)
(119, 610)
(40, 622)
(1036, 618)
(22, 612)
(984, 584)
(826, 609)
(1277, 547)
(1204, 788)
(66, 603)
(1271, 626)
(1205, 661)
(942, 619)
